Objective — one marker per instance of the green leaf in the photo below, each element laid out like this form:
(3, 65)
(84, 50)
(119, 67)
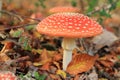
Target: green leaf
(113, 6)
(37, 4)
(21, 76)
(118, 4)
(30, 27)
(118, 56)
(110, 1)
(16, 33)
(73, 3)
(38, 76)
(104, 13)
(25, 43)
(92, 4)
(42, 3)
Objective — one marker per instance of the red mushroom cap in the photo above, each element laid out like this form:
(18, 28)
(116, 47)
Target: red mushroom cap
(64, 9)
(6, 75)
(70, 25)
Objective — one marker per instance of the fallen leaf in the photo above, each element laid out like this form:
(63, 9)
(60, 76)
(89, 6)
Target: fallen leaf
(108, 60)
(80, 63)
(103, 79)
(55, 77)
(77, 77)
(16, 33)
(57, 57)
(7, 45)
(4, 57)
(44, 54)
(62, 73)
(46, 66)
(37, 64)
(57, 65)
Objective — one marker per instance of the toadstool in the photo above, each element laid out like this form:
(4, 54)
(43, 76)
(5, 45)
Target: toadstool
(69, 26)
(64, 9)
(7, 75)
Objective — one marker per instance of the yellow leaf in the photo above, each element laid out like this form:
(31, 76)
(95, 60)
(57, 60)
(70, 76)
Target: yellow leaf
(37, 51)
(37, 64)
(62, 73)
(103, 79)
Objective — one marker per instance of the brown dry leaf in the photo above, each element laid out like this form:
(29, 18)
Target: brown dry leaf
(77, 77)
(110, 57)
(44, 54)
(55, 77)
(45, 57)
(46, 66)
(7, 45)
(42, 62)
(4, 57)
(108, 60)
(97, 65)
(46, 60)
(80, 63)
(57, 57)
(53, 69)
(107, 63)
(57, 64)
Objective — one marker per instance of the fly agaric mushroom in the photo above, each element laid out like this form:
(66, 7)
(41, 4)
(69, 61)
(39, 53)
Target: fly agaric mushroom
(6, 75)
(69, 26)
(64, 9)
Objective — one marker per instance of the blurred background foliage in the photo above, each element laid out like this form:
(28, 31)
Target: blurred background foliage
(86, 6)
(97, 9)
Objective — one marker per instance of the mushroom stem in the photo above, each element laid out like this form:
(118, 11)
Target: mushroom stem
(68, 45)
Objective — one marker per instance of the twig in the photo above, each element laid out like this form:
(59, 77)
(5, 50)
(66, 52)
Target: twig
(12, 14)
(13, 27)
(27, 17)
(24, 58)
(18, 15)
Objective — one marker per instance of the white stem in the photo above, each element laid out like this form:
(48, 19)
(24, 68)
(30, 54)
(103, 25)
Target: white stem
(68, 45)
